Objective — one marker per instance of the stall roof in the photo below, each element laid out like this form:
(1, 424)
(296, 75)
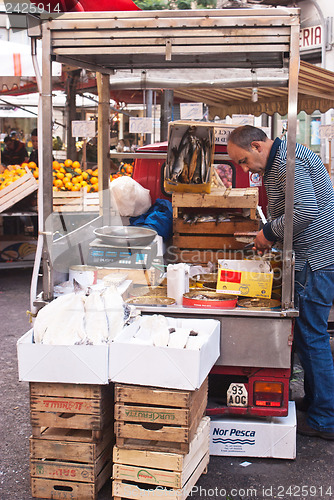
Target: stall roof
(226, 53)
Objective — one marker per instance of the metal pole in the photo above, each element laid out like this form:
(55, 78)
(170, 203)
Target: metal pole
(288, 268)
(166, 113)
(103, 145)
(149, 102)
(45, 146)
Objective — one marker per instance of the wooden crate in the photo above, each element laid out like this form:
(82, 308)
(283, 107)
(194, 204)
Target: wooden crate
(124, 489)
(70, 469)
(157, 419)
(171, 470)
(69, 490)
(70, 406)
(201, 242)
(75, 201)
(17, 190)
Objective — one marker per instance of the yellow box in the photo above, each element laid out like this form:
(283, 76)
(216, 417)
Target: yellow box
(179, 132)
(249, 278)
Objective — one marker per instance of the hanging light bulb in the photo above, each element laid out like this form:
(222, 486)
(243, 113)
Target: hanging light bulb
(254, 94)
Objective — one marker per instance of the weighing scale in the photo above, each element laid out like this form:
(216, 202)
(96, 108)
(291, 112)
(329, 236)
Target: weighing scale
(103, 254)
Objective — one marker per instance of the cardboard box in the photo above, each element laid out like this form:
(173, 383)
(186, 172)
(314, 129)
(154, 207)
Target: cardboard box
(167, 367)
(17, 249)
(274, 437)
(77, 364)
(249, 278)
(205, 133)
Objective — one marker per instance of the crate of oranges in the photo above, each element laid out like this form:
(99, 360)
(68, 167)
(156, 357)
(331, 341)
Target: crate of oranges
(16, 182)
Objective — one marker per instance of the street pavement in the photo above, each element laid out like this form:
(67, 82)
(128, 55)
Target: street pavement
(310, 475)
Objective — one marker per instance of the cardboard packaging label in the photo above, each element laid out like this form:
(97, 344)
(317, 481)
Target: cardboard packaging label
(249, 278)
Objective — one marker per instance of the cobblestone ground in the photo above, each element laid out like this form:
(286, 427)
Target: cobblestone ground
(309, 476)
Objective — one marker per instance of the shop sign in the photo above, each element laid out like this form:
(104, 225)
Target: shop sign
(310, 38)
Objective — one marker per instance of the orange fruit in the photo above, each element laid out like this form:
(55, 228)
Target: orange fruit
(68, 185)
(32, 164)
(35, 173)
(58, 183)
(84, 176)
(56, 165)
(83, 183)
(96, 172)
(94, 180)
(68, 163)
(76, 164)
(68, 175)
(76, 187)
(60, 175)
(76, 180)
(25, 165)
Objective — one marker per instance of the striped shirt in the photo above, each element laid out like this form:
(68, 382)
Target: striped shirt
(313, 213)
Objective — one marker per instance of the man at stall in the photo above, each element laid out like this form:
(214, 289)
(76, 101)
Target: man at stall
(313, 243)
(15, 152)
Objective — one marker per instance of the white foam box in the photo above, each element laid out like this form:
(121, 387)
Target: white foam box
(274, 437)
(73, 364)
(167, 367)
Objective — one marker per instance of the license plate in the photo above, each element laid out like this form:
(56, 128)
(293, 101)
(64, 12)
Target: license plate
(237, 395)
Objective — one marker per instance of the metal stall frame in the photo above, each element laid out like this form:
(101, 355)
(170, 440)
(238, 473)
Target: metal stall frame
(222, 48)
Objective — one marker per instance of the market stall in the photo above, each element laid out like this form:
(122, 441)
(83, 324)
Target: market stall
(172, 346)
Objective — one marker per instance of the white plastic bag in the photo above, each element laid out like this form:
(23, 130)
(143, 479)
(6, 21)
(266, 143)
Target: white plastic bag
(129, 197)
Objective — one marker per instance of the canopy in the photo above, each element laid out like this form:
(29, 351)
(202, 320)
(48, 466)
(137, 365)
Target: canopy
(315, 91)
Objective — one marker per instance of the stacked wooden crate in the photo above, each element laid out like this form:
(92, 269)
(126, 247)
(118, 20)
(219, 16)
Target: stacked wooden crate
(162, 441)
(72, 439)
(234, 211)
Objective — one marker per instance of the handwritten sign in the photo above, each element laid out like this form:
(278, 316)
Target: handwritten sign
(326, 131)
(83, 128)
(140, 125)
(191, 110)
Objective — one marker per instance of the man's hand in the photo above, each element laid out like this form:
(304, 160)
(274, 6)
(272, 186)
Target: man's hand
(261, 244)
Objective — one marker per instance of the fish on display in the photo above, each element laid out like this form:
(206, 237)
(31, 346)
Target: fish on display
(180, 154)
(193, 160)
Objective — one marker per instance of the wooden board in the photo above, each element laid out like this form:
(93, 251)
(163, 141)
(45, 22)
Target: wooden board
(123, 489)
(69, 490)
(63, 449)
(157, 396)
(70, 406)
(197, 257)
(222, 228)
(17, 190)
(163, 469)
(219, 198)
(75, 201)
(207, 241)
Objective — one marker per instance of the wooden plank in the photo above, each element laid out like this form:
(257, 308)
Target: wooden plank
(73, 451)
(17, 190)
(123, 489)
(88, 391)
(230, 198)
(165, 460)
(208, 241)
(162, 433)
(66, 405)
(66, 420)
(70, 470)
(251, 33)
(214, 38)
(73, 435)
(224, 227)
(135, 413)
(157, 396)
(149, 444)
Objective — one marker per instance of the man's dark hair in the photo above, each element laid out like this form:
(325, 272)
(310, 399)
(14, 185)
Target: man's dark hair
(34, 132)
(245, 135)
(7, 139)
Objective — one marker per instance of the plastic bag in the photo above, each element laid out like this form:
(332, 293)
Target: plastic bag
(129, 197)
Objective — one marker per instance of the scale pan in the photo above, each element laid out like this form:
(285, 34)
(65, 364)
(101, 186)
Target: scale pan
(125, 236)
